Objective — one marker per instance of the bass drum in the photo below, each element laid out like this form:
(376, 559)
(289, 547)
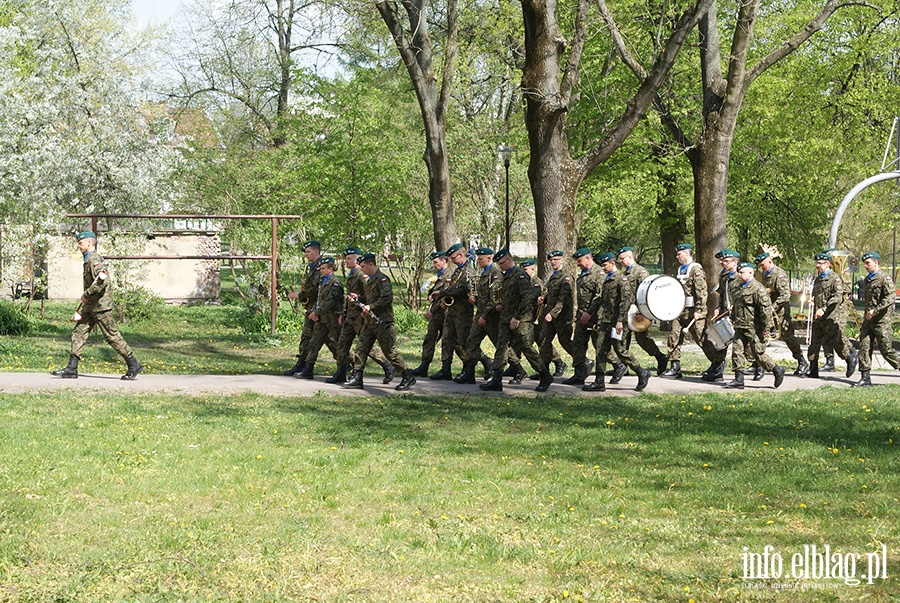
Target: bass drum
(661, 297)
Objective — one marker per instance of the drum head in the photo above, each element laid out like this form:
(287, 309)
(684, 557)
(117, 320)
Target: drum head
(637, 321)
(660, 296)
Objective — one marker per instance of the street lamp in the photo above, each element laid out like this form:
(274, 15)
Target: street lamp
(506, 154)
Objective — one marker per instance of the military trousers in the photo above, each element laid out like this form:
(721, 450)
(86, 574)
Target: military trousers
(584, 334)
(677, 335)
(749, 346)
(562, 331)
(457, 326)
(521, 338)
(432, 336)
(350, 330)
(619, 346)
(827, 332)
(386, 337)
(326, 332)
(877, 332)
(306, 334)
(477, 333)
(785, 325)
(104, 320)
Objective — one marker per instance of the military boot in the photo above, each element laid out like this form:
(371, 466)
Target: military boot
(339, 376)
(495, 384)
(717, 372)
(70, 372)
(488, 364)
(813, 371)
(864, 380)
(134, 367)
(643, 379)
(828, 367)
(467, 375)
(597, 386)
(661, 362)
(802, 367)
(445, 374)
(422, 369)
(307, 372)
(560, 368)
(407, 380)
(510, 370)
(674, 370)
(737, 382)
(852, 361)
(579, 376)
(301, 361)
(619, 370)
(546, 380)
(778, 371)
(519, 375)
(758, 372)
(388, 372)
(355, 381)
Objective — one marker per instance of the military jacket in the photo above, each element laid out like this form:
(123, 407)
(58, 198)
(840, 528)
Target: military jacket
(559, 300)
(634, 274)
(728, 284)
(309, 290)
(752, 307)
(356, 283)
(97, 288)
(331, 298)
(616, 298)
(488, 290)
(458, 286)
(436, 287)
(693, 279)
(778, 287)
(828, 294)
(380, 296)
(517, 299)
(589, 285)
(880, 295)
(538, 289)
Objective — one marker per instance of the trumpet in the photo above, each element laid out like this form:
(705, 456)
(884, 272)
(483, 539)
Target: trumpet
(447, 301)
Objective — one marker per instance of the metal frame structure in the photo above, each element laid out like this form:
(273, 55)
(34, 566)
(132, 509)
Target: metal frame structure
(272, 257)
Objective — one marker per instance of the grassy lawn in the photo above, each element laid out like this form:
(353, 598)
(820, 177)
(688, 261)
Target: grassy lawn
(260, 498)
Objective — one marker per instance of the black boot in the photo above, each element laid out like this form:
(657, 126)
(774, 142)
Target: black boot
(560, 368)
(388, 372)
(716, 372)
(661, 361)
(758, 373)
(802, 367)
(546, 380)
(597, 386)
(581, 373)
(864, 380)
(708, 371)
(778, 371)
(307, 372)
(467, 375)
(510, 370)
(619, 370)
(339, 376)
(445, 374)
(852, 361)
(495, 384)
(406, 381)
(301, 361)
(588, 368)
(828, 367)
(643, 379)
(813, 371)
(488, 364)
(674, 370)
(71, 370)
(134, 367)
(422, 369)
(738, 382)
(519, 375)
(355, 381)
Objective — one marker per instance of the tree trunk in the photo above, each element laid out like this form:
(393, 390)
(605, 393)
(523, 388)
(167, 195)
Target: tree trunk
(671, 220)
(710, 171)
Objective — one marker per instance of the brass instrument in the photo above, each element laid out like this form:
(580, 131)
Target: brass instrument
(447, 301)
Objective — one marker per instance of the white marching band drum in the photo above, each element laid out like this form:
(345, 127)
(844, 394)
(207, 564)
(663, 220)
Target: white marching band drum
(720, 333)
(637, 321)
(661, 297)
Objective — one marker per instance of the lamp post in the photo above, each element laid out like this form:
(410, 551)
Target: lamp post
(506, 154)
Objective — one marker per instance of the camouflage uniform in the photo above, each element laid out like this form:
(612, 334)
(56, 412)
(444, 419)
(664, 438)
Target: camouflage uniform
(379, 296)
(353, 323)
(309, 290)
(828, 294)
(518, 303)
(776, 283)
(693, 279)
(728, 285)
(435, 323)
(487, 288)
(751, 316)
(458, 321)
(880, 295)
(97, 309)
(589, 285)
(616, 298)
(538, 290)
(327, 307)
(559, 304)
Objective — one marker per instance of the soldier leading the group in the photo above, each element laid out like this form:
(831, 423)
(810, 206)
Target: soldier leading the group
(324, 314)
(308, 294)
(877, 327)
(96, 310)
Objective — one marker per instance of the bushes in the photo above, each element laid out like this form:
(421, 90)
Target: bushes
(13, 320)
(136, 304)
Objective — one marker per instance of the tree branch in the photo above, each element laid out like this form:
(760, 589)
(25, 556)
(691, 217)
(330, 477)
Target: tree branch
(570, 71)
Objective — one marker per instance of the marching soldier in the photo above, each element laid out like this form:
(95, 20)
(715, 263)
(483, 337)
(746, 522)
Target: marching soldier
(351, 321)
(309, 293)
(728, 283)
(458, 320)
(751, 314)
(435, 316)
(96, 309)
(378, 325)
(635, 274)
(693, 318)
(616, 297)
(515, 326)
(880, 295)
(538, 290)
(588, 285)
(557, 313)
(485, 296)
(324, 315)
(776, 282)
(829, 318)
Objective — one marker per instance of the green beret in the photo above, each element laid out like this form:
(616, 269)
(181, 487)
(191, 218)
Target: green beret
(454, 248)
(367, 257)
(581, 252)
(501, 254)
(622, 250)
(604, 257)
(727, 253)
(437, 254)
(556, 253)
(822, 255)
(312, 243)
(87, 234)
(484, 251)
(762, 256)
(743, 265)
(353, 250)
(683, 246)
(871, 255)
(526, 263)
(327, 261)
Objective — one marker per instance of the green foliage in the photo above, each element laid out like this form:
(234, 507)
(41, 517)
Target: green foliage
(287, 322)
(137, 304)
(13, 319)
(406, 320)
